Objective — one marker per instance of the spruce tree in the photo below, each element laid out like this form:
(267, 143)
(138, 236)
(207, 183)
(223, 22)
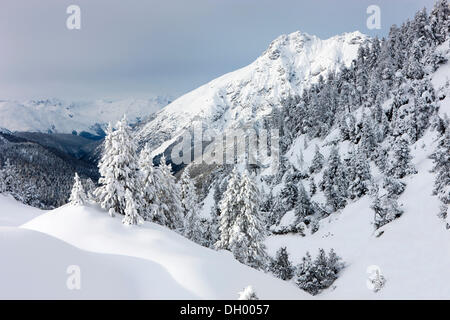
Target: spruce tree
(441, 168)
(248, 229)
(314, 276)
(401, 162)
(358, 174)
(304, 206)
(305, 277)
(169, 196)
(317, 162)
(132, 216)
(248, 294)
(281, 266)
(229, 209)
(386, 209)
(393, 186)
(152, 208)
(334, 183)
(78, 195)
(191, 208)
(119, 171)
(288, 196)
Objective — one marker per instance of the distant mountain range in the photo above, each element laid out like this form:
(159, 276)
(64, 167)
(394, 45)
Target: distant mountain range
(84, 118)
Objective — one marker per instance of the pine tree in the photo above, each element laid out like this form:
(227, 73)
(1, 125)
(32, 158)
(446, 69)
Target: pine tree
(315, 276)
(229, 209)
(334, 183)
(305, 277)
(289, 196)
(78, 196)
(132, 216)
(317, 162)
(386, 210)
(189, 202)
(169, 195)
(152, 208)
(368, 141)
(441, 168)
(304, 206)
(119, 171)
(401, 163)
(358, 175)
(9, 177)
(281, 266)
(393, 186)
(248, 294)
(89, 187)
(377, 280)
(439, 20)
(247, 231)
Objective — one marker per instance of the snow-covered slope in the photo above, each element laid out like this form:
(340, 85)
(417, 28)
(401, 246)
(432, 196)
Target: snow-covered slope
(13, 213)
(157, 262)
(291, 63)
(413, 252)
(56, 116)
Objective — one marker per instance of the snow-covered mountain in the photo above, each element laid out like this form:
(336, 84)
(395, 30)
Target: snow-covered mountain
(56, 116)
(291, 63)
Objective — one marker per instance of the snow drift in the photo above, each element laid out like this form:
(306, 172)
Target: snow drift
(157, 262)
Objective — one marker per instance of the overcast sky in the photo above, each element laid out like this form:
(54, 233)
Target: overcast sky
(135, 48)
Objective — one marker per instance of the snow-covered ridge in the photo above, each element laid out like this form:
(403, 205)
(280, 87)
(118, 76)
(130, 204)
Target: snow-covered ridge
(291, 63)
(56, 116)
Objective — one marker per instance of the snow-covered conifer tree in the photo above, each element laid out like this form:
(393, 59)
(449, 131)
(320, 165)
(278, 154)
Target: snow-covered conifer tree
(386, 210)
(368, 141)
(393, 186)
(119, 171)
(317, 162)
(314, 276)
(358, 174)
(89, 188)
(248, 229)
(241, 225)
(9, 177)
(132, 216)
(304, 206)
(441, 159)
(376, 280)
(281, 266)
(304, 277)
(152, 209)
(169, 196)
(334, 183)
(401, 165)
(78, 195)
(229, 209)
(248, 294)
(190, 204)
(288, 196)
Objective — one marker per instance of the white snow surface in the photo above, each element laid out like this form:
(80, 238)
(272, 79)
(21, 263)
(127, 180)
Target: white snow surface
(118, 261)
(14, 213)
(241, 98)
(56, 116)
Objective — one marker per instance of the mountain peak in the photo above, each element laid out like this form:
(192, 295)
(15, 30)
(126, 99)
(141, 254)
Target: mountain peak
(291, 63)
